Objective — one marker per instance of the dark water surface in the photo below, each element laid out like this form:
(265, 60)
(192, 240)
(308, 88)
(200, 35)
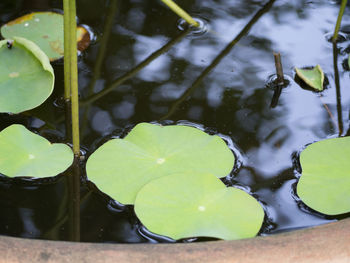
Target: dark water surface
(231, 99)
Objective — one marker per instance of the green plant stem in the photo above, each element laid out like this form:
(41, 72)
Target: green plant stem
(340, 16)
(71, 91)
(71, 27)
(66, 23)
(180, 12)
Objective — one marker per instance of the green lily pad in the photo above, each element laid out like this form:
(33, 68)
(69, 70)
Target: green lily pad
(325, 182)
(313, 77)
(121, 167)
(23, 153)
(45, 29)
(190, 205)
(26, 76)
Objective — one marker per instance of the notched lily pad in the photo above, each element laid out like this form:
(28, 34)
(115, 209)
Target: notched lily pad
(23, 153)
(325, 181)
(26, 76)
(46, 30)
(313, 77)
(121, 167)
(191, 205)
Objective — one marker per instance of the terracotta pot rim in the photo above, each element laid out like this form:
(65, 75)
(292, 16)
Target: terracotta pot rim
(325, 243)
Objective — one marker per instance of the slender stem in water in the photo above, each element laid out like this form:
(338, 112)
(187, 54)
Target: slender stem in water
(279, 81)
(180, 12)
(340, 16)
(100, 59)
(134, 71)
(66, 23)
(72, 59)
(337, 90)
(174, 107)
(71, 94)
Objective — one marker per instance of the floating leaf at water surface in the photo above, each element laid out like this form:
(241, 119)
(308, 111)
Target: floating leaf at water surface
(23, 153)
(121, 167)
(325, 182)
(46, 30)
(313, 77)
(197, 204)
(26, 76)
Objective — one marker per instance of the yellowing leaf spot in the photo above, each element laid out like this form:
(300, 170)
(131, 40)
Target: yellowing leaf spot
(13, 74)
(31, 156)
(21, 19)
(56, 47)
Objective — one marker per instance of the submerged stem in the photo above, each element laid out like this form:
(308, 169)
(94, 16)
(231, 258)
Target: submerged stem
(74, 202)
(180, 12)
(340, 16)
(134, 71)
(112, 10)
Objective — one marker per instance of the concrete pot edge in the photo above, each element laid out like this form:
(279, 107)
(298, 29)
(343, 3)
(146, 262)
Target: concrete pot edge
(325, 243)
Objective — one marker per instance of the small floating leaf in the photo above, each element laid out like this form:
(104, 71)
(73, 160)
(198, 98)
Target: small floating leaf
(23, 153)
(313, 77)
(26, 76)
(45, 29)
(121, 167)
(325, 181)
(190, 205)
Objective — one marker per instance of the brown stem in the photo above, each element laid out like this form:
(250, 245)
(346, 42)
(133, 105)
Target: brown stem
(279, 83)
(279, 69)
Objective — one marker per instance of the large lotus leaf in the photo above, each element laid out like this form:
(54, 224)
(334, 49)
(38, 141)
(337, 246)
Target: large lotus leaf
(325, 182)
(23, 153)
(43, 28)
(189, 205)
(121, 167)
(26, 76)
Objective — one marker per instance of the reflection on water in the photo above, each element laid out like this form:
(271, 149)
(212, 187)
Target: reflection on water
(231, 99)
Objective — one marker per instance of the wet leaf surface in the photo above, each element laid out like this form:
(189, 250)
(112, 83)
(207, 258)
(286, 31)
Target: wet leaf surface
(26, 76)
(313, 77)
(325, 181)
(46, 30)
(121, 167)
(197, 204)
(23, 153)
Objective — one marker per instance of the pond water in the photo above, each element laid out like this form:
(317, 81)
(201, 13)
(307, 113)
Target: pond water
(230, 97)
